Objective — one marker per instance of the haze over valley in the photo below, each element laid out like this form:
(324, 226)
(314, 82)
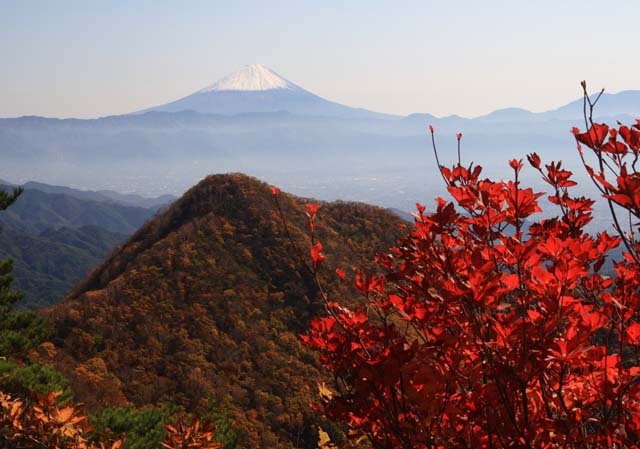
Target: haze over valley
(257, 122)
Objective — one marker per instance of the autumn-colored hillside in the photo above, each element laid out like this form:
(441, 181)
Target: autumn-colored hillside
(206, 301)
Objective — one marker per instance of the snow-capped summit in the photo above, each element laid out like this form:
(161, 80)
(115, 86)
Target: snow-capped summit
(257, 88)
(252, 77)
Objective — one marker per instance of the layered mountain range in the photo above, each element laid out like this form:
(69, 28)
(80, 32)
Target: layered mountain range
(257, 122)
(254, 121)
(56, 235)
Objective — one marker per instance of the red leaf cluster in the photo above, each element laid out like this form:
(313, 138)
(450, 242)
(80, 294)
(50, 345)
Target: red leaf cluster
(316, 255)
(482, 336)
(612, 168)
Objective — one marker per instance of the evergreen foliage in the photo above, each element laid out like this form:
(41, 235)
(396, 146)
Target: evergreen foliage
(22, 331)
(144, 427)
(23, 379)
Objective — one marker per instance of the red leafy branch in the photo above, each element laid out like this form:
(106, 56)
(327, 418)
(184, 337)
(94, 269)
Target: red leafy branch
(486, 334)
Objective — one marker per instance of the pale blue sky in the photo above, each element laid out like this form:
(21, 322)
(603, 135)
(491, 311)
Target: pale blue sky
(88, 58)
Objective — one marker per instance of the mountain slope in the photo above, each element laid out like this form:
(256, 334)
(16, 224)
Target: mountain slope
(47, 265)
(109, 196)
(207, 301)
(57, 236)
(256, 88)
(36, 211)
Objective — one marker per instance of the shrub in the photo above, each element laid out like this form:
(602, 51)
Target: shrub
(482, 335)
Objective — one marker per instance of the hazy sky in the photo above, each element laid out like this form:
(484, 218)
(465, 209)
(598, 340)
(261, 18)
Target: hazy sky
(89, 58)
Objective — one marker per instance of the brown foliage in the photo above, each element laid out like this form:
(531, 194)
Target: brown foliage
(207, 300)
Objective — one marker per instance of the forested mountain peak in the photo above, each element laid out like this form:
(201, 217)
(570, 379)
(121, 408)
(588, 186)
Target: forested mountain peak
(206, 301)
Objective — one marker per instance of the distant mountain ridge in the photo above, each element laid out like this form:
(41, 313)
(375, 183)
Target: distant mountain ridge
(257, 88)
(624, 103)
(47, 265)
(55, 238)
(35, 211)
(109, 196)
(161, 152)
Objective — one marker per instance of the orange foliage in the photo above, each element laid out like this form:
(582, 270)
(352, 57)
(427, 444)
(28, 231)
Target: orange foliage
(45, 424)
(190, 436)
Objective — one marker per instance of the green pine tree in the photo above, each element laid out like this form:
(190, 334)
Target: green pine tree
(20, 332)
(8, 296)
(7, 199)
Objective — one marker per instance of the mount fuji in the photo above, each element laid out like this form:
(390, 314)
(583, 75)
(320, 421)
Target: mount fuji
(257, 88)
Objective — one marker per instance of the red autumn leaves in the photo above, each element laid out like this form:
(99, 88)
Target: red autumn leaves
(481, 336)
(316, 247)
(594, 137)
(315, 250)
(615, 158)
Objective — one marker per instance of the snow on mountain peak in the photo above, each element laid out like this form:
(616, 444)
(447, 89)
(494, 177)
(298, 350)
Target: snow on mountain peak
(252, 77)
